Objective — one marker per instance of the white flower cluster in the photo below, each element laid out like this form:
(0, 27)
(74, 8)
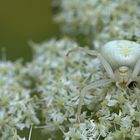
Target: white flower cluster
(59, 80)
(100, 21)
(107, 113)
(17, 107)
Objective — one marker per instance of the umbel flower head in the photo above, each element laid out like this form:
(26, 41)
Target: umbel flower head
(17, 107)
(107, 112)
(99, 21)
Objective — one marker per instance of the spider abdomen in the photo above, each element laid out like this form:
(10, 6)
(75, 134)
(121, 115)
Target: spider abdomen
(121, 53)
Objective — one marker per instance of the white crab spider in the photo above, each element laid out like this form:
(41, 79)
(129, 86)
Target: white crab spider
(121, 60)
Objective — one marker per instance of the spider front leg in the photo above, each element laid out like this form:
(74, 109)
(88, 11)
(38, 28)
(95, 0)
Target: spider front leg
(102, 59)
(134, 76)
(93, 85)
(96, 84)
(136, 69)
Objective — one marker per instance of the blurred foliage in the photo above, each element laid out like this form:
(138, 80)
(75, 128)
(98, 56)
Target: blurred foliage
(98, 22)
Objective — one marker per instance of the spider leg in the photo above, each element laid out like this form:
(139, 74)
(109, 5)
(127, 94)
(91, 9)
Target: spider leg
(107, 67)
(93, 85)
(102, 59)
(136, 69)
(134, 76)
(138, 80)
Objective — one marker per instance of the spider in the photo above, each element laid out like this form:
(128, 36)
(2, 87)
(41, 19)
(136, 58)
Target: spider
(121, 60)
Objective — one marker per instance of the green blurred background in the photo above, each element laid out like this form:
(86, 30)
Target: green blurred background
(22, 21)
